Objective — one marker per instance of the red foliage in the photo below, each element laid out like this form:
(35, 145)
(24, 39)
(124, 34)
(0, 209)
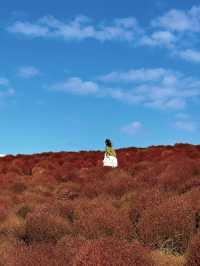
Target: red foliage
(105, 180)
(42, 176)
(47, 164)
(178, 172)
(3, 212)
(99, 218)
(146, 199)
(40, 254)
(170, 224)
(6, 180)
(19, 166)
(67, 174)
(193, 254)
(42, 225)
(110, 252)
(68, 191)
(152, 195)
(118, 182)
(94, 173)
(68, 247)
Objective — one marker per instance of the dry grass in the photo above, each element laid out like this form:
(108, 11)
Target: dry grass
(13, 226)
(166, 259)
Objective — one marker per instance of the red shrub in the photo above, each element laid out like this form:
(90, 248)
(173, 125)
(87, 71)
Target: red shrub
(24, 210)
(110, 252)
(193, 254)
(93, 189)
(118, 182)
(92, 174)
(178, 172)
(188, 185)
(40, 254)
(18, 187)
(142, 166)
(7, 179)
(42, 225)
(99, 217)
(3, 166)
(170, 224)
(166, 154)
(3, 212)
(68, 191)
(19, 166)
(99, 181)
(144, 199)
(68, 247)
(42, 176)
(67, 174)
(47, 164)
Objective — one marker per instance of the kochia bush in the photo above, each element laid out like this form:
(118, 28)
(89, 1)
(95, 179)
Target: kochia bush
(111, 252)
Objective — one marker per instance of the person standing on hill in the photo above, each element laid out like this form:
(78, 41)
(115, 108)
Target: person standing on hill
(110, 158)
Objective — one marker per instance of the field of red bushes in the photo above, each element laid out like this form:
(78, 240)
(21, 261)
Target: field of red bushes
(65, 208)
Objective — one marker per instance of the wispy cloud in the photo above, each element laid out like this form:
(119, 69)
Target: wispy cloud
(28, 72)
(159, 38)
(76, 85)
(185, 122)
(156, 88)
(132, 128)
(81, 27)
(168, 90)
(190, 55)
(179, 20)
(5, 88)
(186, 125)
(134, 75)
(29, 29)
(176, 30)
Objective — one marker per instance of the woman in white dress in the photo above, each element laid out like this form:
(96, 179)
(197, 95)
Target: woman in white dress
(110, 158)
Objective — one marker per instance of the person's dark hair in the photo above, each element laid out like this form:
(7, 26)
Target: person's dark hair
(108, 142)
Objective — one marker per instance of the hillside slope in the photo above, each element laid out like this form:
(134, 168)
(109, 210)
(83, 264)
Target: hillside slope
(64, 208)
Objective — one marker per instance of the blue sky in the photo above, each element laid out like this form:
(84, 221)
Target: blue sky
(73, 73)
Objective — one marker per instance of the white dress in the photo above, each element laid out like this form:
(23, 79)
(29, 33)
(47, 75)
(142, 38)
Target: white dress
(110, 161)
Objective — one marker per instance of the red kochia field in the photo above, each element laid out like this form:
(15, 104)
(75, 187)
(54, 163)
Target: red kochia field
(64, 208)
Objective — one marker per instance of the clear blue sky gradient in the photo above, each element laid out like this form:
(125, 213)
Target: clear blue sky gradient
(37, 115)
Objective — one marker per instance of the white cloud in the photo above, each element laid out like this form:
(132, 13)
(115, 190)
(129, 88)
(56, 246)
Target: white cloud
(185, 122)
(5, 89)
(179, 20)
(177, 30)
(173, 30)
(135, 75)
(190, 55)
(156, 88)
(132, 128)
(28, 29)
(159, 38)
(77, 86)
(28, 72)
(81, 27)
(186, 125)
